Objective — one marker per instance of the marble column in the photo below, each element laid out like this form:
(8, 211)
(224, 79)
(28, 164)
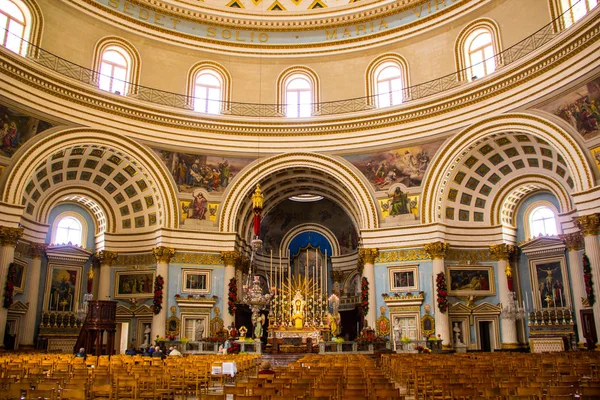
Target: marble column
(8, 240)
(590, 226)
(502, 253)
(32, 293)
(105, 259)
(437, 252)
(368, 257)
(163, 255)
(229, 259)
(574, 243)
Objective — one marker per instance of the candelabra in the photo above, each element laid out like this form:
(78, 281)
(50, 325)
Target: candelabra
(253, 294)
(512, 311)
(82, 310)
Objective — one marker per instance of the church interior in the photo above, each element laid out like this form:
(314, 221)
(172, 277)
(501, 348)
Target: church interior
(342, 187)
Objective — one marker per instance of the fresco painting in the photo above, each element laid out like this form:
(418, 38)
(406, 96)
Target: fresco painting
(580, 109)
(16, 128)
(399, 204)
(197, 171)
(405, 165)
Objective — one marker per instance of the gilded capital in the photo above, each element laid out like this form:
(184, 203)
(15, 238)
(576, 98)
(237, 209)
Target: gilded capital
(436, 250)
(106, 257)
(229, 257)
(242, 264)
(573, 241)
(502, 251)
(337, 276)
(588, 224)
(163, 254)
(508, 271)
(10, 236)
(36, 250)
(369, 255)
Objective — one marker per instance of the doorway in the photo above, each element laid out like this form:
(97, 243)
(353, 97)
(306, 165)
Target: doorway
(485, 336)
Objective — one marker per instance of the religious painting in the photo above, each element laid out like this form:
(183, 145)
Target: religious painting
(405, 165)
(400, 203)
(596, 154)
(470, 280)
(20, 273)
(195, 281)
(62, 288)
(134, 284)
(306, 262)
(550, 287)
(579, 108)
(200, 171)
(403, 279)
(16, 128)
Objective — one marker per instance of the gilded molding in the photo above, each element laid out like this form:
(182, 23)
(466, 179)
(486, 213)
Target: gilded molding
(588, 224)
(229, 257)
(502, 251)
(163, 254)
(37, 250)
(436, 250)
(468, 256)
(197, 258)
(106, 258)
(368, 255)
(10, 236)
(573, 241)
(398, 309)
(402, 255)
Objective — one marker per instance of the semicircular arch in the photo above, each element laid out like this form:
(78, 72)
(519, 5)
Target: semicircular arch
(330, 236)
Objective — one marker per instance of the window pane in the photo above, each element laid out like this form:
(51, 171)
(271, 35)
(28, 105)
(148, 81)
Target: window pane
(388, 73)
(14, 36)
(208, 80)
(10, 8)
(481, 40)
(543, 222)
(114, 57)
(298, 83)
(69, 230)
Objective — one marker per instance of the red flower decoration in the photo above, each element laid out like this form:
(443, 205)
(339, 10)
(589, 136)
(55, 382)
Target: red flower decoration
(442, 292)
(158, 295)
(10, 286)
(364, 294)
(588, 281)
(232, 296)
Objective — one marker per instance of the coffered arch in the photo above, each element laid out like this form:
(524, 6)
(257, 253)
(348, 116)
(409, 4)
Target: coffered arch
(292, 174)
(467, 178)
(121, 182)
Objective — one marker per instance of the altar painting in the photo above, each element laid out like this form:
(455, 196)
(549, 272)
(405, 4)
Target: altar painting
(548, 277)
(16, 128)
(405, 165)
(403, 279)
(62, 288)
(195, 281)
(20, 274)
(471, 280)
(199, 171)
(134, 284)
(580, 109)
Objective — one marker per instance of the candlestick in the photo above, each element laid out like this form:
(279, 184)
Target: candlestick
(326, 274)
(560, 296)
(271, 269)
(527, 299)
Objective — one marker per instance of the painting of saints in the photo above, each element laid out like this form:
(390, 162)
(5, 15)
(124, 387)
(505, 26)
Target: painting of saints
(399, 203)
(199, 206)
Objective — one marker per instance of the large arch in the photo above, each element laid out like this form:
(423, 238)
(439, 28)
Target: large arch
(337, 179)
(444, 167)
(127, 177)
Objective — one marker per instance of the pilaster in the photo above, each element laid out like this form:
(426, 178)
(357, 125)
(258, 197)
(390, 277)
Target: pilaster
(8, 240)
(368, 257)
(437, 251)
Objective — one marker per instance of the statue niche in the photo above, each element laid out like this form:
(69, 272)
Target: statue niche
(298, 310)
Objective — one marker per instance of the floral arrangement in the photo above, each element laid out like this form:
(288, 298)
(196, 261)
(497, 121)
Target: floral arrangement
(232, 296)
(158, 294)
(442, 292)
(370, 339)
(184, 340)
(10, 286)
(364, 294)
(177, 296)
(234, 349)
(405, 339)
(171, 337)
(422, 349)
(587, 279)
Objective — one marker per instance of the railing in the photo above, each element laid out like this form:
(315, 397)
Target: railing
(415, 92)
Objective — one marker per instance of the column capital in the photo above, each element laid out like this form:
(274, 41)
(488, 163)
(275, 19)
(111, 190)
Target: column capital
(105, 257)
(573, 241)
(337, 276)
(502, 251)
(36, 250)
(588, 224)
(163, 254)
(229, 257)
(368, 256)
(10, 236)
(436, 250)
(242, 264)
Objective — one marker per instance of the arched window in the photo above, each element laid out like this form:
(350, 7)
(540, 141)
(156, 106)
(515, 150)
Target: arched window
(69, 230)
(574, 10)
(542, 221)
(119, 65)
(476, 46)
(298, 95)
(12, 26)
(114, 70)
(207, 92)
(298, 92)
(389, 85)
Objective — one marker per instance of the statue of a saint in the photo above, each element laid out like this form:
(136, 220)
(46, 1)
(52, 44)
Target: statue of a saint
(298, 317)
(457, 333)
(147, 335)
(259, 320)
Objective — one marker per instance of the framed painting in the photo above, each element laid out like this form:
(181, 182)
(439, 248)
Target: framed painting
(134, 284)
(403, 279)
(549, 283)
(63, 286)
(20, 274)
(470, 280)
(195, 281)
